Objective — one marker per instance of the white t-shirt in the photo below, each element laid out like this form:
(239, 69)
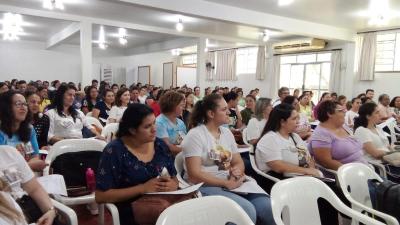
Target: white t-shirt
(14, 171)
(142, 99)
(11, 202)
(349, 118)
(64, 126)
(199, 142)
(379, 140)
(276, 102)
(116, 112)
(272, 146)
(255, 128)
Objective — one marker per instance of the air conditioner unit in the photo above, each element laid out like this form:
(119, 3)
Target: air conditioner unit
(300, 45)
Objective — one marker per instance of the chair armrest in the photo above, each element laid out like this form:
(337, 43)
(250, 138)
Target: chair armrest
(114, 213)
(380, 167)
(66, 211)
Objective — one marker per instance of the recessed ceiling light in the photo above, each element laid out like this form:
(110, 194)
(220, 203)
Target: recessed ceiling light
(285, 2)
(123, 37)
(179, 25)
(176, 52)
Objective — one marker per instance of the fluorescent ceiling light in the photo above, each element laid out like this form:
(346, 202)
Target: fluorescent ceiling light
(285, 2)
(179, 25)
(51, 4)
(12, 26)
(102, 39)
(123, 37)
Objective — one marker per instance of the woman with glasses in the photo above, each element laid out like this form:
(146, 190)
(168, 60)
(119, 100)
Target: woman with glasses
(16, 129)
(331, 143)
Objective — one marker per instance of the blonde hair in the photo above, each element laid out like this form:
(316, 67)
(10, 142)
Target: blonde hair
(6, 209)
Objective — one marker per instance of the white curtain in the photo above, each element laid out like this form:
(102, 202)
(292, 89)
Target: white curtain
(226, 65)
(210, 71)
(274, 72)
(336, 79)
(261, 69)
(366, 64)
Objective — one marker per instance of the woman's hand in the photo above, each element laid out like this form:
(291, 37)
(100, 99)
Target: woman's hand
(37, 165)
(47, 218)
(151, 186)
(233, 183)
(167, 184)
(313, 172)
(235, 172)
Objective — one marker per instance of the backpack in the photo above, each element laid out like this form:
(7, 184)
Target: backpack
(387, 198)
(72, 166)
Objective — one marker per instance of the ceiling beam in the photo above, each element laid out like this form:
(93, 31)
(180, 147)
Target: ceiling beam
(162, 46)
(117, 23)
(65, 33)
(249, 17)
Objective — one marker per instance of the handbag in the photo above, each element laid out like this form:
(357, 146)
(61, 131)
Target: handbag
(148, 208)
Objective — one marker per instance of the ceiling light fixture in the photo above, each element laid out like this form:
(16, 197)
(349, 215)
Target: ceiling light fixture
(265, 36)
(285, 2)
(379, 11)
(12, 26)
(179, 25)
(51, 4)
(176, 52)
(123, 37)
(102, 39)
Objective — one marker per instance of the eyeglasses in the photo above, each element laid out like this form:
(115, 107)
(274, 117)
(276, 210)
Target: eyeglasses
(21, 104)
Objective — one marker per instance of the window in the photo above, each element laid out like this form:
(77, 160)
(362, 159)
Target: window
(306, 72)
(246, 60)
(189, 59)
(387, 52)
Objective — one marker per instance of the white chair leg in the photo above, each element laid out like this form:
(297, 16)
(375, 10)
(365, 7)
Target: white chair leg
(101, 214)
(114, 213)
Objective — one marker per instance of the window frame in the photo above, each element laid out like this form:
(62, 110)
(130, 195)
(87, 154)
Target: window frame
(246, 60)
(396, 54)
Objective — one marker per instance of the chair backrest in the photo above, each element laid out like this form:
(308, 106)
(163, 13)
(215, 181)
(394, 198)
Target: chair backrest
(390, 123)
(216, 210)
(72, 145)
(256, 169)
(94, 121)
(109, 131)
(179, 161)
(353, 180)
(244, 136)
(297, 198)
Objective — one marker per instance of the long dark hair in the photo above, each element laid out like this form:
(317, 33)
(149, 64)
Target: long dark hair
(280, 112)
(365, 110)
(7, 118)
(128, 121)
(393, 102)
(58, 101)
(120, 92)
(199, 112)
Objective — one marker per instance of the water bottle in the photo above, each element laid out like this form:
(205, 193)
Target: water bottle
(90, 180)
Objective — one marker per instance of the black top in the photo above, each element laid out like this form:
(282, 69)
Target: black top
(104, 110)
(41, 125)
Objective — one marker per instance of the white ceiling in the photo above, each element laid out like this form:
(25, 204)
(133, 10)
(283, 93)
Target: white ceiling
(340, 13)
(125, 12)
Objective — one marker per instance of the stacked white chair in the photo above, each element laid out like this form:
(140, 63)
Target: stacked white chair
(216, 210)
(109, 131)
(353, 179)
(296, 198)
(94, 121)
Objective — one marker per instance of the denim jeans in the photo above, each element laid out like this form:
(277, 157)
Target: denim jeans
(257, 206)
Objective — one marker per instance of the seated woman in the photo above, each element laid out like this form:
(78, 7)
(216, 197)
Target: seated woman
(306, 106)
(65, 121)
(326, 96)
(249, 111)
(130, 165)
(235, 118)
(211, 156)
(40, 121)
(257, 124)
(331, 143)
(121, 103)
(18, 184)
(90, 100)
(102, 108)
(280, 149)
(16, 129)
(169, 127)
(374, 140)
(303, 127)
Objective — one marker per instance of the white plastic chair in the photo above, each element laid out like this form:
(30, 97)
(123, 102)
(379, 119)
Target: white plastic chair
(179, 161)
(75, 145)
(391, 124)
(255, 168)
(297, 199)
(353, 179)
(94, 121)
(109, 131)
(215, 210)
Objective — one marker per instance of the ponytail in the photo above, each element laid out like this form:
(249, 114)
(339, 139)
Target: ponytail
(365, 110)
(199, 112)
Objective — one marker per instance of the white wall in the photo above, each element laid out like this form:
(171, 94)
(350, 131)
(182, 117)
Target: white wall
(387, 83)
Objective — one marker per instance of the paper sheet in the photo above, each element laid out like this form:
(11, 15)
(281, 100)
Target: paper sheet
(187, 190)
(249, 186)
(53, 184)
(245, 149)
